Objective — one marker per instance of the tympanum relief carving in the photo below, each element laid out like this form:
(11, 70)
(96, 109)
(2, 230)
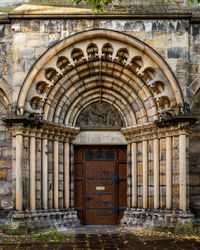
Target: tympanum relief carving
(100, 116)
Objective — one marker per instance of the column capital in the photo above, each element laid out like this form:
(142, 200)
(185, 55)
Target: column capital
(45, 133)
(56, 136)
(32, 132)
(51, 134)
(18, 129)
(62, 136)
(39, 132)
(26, 131)
(67, 139)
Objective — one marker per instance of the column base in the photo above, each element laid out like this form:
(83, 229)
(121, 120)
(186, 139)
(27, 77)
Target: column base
(25, 222)
(175, 221)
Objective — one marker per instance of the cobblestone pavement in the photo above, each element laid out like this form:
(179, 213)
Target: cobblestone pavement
(90, 237)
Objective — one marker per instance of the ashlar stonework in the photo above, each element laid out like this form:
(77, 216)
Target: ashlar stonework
(127, 80)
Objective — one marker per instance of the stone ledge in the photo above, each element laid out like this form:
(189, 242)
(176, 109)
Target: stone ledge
(170, 220)
(24, 222)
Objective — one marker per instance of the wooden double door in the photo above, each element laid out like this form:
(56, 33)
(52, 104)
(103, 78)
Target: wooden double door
(100, 186)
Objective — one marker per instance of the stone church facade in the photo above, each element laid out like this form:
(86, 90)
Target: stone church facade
(99, 114)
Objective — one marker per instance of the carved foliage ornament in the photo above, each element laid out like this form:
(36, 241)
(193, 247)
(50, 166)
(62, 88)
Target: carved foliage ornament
(100, 116)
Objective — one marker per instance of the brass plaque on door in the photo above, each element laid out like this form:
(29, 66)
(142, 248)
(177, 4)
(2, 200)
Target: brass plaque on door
(100, 188)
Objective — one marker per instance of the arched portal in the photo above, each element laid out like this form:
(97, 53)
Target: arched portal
(89, 85)
(96, 65)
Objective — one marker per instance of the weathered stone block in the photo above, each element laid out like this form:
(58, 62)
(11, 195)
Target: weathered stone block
(39, 51)
(180, 40)
(194, 179)
(5, 188)
(26, 53)
(6, 202)
(195, 29)
(9, 174)
(18, 80)
(148, 26)
(3, 174)
(139, 180)
(193, 67)
(19, 39)
(175, 191)
(37, 40)
(30, 26)
(60, 194)
(6, 153)
(151, 202)
(27, 64)
(161, 41)
(2, 30)
(16, 27)
(162, 180)
(174, 53)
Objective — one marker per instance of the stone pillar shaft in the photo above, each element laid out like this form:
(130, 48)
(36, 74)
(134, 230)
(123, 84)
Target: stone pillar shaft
(66, 173)
(134, 173)
(145, 174)
(14, 170)
(156, 166)
(56, 144)
(32, 172)
(128, 175)
(169, 172)
(44, 174)
(19, 176)
(182, 172)
(71, 175)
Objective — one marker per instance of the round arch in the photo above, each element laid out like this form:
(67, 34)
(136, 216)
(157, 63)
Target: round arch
(104, 64)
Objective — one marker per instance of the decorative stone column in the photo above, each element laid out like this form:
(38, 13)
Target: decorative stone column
(66, 174)
(145, 173)
(30, 143)
(19, 175)
(44, 170)
(55, 160)
(156, 165)
(168, 172)
(129, 175)
(13, 168)
(32, 170)
(142, 138)
(134, 173)
(182, 171)
(71, 175)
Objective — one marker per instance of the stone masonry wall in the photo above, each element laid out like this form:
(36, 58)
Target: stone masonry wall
(5, 140)
(23, 42)
(194, 173)
(194, 53)
(32, 38)
(194, 152)
(5, 165)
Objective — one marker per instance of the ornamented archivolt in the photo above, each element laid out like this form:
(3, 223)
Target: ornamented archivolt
(100, 69)
(100, 116)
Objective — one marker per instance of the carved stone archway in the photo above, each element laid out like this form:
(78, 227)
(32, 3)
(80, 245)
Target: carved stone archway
(128, 73)
(94, 68)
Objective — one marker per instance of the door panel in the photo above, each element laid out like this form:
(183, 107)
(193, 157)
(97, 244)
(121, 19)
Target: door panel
(100, 178)
(100, 192)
